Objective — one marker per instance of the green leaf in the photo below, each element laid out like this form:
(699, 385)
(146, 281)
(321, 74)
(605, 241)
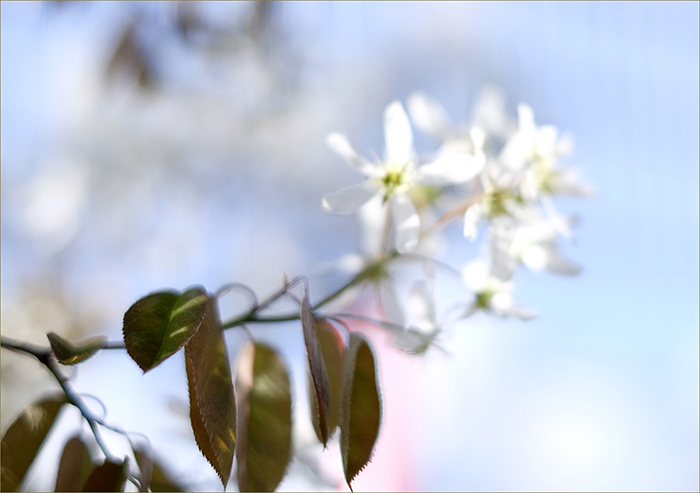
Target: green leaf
(108, 476)
(265, 420)
(68, 353)
(317, 371)
(158, 325)
(212, 402)
(24, 438)
(74, 467)
(361, 409)
(333, 351)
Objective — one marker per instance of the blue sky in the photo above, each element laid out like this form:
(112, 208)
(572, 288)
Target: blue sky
(599, 393)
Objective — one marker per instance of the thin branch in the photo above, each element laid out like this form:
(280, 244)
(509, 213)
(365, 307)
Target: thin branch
(453, 213)
(44, 356)
(252, 315)
(114, 345)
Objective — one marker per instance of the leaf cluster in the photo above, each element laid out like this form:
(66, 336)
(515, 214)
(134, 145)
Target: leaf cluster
(252, 419)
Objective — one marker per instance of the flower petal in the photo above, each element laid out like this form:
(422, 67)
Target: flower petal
(406, 223)
(475, 275)
(568, 182)
(348, 200)
(557, 264)
(526, 120)
(340, 144)
(415, 342)
(429, 116)
(490, 113)
(516, 151)
(545, 140)
(352, 263)
(397, 134)
(472, 216)
(520, 312)
(451, 167)
(560, 222)
(422, 306)
(372, 217)
(391, 305)
(478, 138)
(502, 262)
(535, 256)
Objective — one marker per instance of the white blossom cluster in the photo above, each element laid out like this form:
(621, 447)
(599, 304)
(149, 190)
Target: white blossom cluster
(497, 174)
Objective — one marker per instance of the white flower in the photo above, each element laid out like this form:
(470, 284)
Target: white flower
(498, 202)
(536, 151)
(533, 244)
(390, 179)
(490, 113)
(531, 143)
(423, 332)
(461, 156)
(491, 294)
(376, 282)
(377, 279)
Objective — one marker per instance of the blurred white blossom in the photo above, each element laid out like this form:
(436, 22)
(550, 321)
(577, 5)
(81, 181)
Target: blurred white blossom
(491, 294)
(392, 178)
(531, 243)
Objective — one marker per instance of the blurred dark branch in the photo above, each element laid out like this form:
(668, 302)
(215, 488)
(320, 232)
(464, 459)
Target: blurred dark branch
(259, 21)
(130, 59)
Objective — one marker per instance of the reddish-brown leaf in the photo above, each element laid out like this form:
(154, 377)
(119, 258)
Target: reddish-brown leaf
(361, 409)
(212, 403)
(333, 351)
(317, 370)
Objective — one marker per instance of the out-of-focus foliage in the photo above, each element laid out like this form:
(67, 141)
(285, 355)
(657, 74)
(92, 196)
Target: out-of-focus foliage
(23, 439)
(108, 476)
(265, 425)
(74, 467)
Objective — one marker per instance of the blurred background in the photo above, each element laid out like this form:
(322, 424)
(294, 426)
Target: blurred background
(156, 145)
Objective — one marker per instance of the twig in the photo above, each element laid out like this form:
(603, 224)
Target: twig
(44, 356)
(448, 216)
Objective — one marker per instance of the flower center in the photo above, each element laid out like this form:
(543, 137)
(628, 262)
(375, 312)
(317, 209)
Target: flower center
(544, 176)
(394, 178)
(424, 195)
(497, 202)
(482, 299)
(375, 272)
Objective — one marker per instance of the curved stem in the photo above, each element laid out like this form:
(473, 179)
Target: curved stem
(43, 355)
(253, 317)
(453, 213)
(237, 285)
